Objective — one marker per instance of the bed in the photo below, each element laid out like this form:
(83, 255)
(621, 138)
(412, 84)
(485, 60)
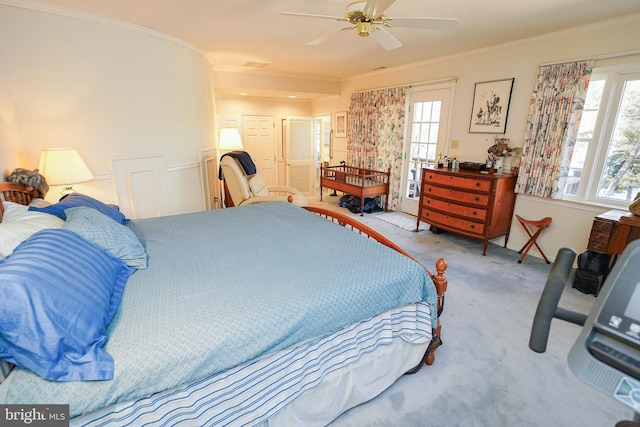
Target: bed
(243, 316)
(359, 182)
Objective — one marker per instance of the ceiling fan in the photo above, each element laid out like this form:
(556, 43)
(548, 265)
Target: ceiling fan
(369, 19)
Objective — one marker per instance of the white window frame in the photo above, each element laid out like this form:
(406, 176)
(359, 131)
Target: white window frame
(599, 145)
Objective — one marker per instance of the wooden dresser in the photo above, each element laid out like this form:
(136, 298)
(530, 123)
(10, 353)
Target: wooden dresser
(474, 204)
(612, 231)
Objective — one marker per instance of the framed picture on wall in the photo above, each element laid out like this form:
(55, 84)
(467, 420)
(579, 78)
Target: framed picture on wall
(491, 106)
(341, 124)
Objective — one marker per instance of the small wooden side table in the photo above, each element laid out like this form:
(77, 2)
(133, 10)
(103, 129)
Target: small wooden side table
(612, 231)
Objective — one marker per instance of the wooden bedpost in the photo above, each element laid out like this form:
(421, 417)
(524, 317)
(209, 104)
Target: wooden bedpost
(441, 287)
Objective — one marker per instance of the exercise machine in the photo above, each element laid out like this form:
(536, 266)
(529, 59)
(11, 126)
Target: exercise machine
(606, 354)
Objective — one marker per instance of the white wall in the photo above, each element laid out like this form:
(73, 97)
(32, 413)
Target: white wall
(520, 60)
(109, 89)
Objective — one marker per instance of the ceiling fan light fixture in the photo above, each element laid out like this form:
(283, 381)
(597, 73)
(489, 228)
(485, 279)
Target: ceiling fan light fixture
(353, 11)
(364, 28)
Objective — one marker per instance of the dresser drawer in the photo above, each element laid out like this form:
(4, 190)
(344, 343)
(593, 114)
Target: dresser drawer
(452, 223)
(600, 247)
(479, 214)
(454, 180)
(599, 236)
(457, 195)
(602, 226)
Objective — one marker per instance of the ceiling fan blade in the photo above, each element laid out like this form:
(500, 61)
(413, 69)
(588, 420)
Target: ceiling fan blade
(309, 15)
(375, 8)
(425, 23)
(385, 39)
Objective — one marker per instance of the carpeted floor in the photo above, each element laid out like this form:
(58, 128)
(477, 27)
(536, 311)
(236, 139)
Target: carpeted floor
(485, 374)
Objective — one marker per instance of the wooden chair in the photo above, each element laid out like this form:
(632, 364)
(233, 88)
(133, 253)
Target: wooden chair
(529, 226)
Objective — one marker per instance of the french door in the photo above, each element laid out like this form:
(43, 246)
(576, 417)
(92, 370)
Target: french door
(428, 131)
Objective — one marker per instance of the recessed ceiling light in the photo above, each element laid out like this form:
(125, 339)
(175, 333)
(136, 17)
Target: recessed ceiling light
(292, 96)
(244, 93)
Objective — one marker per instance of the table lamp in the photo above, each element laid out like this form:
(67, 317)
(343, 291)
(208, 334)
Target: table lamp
(229, 139)
(64, 166)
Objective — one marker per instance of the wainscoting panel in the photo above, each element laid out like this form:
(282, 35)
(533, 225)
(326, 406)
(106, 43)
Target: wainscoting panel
(210, 182)
(141, 186)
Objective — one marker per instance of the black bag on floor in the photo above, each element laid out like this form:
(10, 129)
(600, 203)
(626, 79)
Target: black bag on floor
(589, 282)
(370, 205)
(592, 272)
(593, 261)
(345, 201)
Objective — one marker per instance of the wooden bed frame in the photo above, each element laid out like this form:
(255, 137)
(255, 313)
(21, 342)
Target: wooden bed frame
(358, 182)
(18, 194)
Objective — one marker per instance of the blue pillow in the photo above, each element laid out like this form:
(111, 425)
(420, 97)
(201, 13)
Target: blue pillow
(76, 199)
(117, 239)
(59, 293)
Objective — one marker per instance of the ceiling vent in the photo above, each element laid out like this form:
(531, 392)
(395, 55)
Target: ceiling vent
(256, 65)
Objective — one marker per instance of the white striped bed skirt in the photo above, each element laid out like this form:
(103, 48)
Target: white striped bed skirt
(353, 365)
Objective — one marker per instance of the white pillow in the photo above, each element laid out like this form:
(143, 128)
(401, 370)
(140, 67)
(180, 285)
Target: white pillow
(18, 224)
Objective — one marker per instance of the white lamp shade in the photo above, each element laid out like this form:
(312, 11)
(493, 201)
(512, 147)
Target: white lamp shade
(63, 166)
(229, 139)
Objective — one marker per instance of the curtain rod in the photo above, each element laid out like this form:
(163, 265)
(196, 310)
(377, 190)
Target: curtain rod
(446, 79)
(605, 56)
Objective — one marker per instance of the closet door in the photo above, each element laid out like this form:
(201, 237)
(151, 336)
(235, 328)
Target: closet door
(258, 138)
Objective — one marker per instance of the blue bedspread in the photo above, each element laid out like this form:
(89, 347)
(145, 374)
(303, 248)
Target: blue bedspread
(224, 287)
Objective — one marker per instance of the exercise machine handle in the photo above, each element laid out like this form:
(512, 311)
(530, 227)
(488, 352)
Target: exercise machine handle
(548, 304)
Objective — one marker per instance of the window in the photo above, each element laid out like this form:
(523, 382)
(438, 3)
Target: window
(605, 166)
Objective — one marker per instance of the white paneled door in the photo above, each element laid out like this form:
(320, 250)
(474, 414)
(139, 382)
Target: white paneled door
(300, 154)
(258, 138)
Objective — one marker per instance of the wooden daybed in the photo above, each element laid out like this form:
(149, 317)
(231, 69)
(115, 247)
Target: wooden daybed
(165, 310)
(359, 182)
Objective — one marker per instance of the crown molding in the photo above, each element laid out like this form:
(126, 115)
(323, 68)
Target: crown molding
(85, 16)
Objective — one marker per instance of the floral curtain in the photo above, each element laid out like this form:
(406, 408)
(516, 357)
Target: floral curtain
(375, 134)
(555, 111)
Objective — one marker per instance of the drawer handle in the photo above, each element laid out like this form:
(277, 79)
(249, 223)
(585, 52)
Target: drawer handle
(475, 213)
(477, 199)
(477, 184)
(473, 227)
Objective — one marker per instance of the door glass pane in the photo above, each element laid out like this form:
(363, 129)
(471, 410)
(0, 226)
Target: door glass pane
(620, 178)
(424, 140)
